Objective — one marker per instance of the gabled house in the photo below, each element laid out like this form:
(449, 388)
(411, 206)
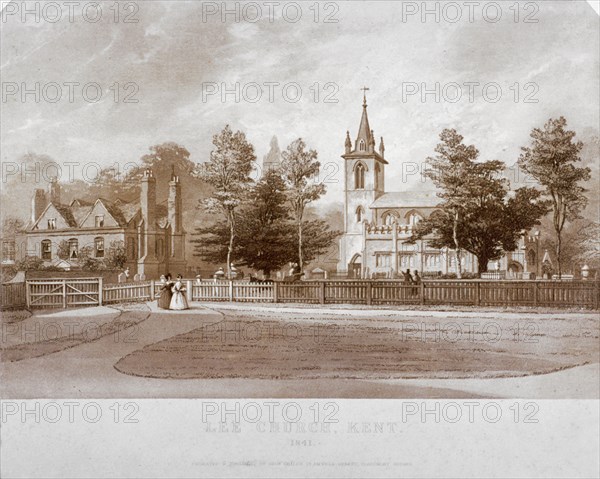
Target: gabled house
(152, 235)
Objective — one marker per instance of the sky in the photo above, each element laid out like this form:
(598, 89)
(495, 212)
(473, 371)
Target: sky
(177, 58)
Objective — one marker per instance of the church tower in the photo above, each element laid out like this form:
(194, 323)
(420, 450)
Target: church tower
(364, 170)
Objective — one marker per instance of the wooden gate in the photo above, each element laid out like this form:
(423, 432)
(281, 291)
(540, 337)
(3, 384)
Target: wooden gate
(64, 293)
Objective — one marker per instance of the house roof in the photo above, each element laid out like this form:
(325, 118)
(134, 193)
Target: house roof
(407, 199)
(66, 213)
(78, 210)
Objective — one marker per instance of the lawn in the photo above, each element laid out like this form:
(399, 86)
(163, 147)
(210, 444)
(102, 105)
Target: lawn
(284, 345)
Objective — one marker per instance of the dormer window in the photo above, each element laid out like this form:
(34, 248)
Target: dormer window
(51, 223)
(99, 221)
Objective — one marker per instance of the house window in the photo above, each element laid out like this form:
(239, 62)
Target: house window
(99, 247)
(46, 249)
(359, 214)
(99, 221)
(51, 223)
(383, 260)
(359, 177)
(160, 247)
(8, 250)
(73, 248)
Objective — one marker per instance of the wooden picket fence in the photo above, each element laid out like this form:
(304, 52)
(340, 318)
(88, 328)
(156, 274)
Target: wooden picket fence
(64, 293)
(13, 296)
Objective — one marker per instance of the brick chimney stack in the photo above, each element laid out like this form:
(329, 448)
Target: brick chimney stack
(174, 203)
(148, 201)
(38, 204)
(147, 261)
(54, 190)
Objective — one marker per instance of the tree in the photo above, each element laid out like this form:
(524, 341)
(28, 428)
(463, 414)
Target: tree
(12, 226)
(265, 232)
(264, 241)
(318, 238)
(449, 170)
(588, 245)
(494, 226)
(298, 167)
(478, 214)
(550, 160)
(116, 256)
(63, 250)
(228, 172)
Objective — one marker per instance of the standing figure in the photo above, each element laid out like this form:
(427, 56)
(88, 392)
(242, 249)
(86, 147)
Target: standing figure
(219, 274)
(164, 299)
(178, 301)
(408, 279)
(416, 281)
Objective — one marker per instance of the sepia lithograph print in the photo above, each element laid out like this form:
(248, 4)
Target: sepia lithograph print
(300, 239)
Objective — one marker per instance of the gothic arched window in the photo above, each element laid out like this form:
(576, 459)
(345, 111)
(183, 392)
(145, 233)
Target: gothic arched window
(359, 176)
(360, 212)
(361, 145)
(413, 217)
(389, 217)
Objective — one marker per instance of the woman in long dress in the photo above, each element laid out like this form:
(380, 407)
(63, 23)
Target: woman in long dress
(164, 299)
(178, 301)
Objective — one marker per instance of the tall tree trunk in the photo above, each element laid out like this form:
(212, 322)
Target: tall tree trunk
(457, 247)
(230, 248)
(482, 264)
(300, 265)
(558, 252)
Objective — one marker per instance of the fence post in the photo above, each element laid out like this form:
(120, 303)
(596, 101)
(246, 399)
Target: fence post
(597, 296)
(275, 291)
(27, 294)
(64, 293)
(151, 290)
(535, 293)
(100, 284)
(369, 292)
(478, 293)
(422, 291)
(231, 290)
(322, 292)
(188, 290)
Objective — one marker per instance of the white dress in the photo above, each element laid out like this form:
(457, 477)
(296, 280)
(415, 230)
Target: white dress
(178, 301)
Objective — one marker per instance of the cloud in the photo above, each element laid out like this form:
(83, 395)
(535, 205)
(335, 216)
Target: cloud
(170, 54)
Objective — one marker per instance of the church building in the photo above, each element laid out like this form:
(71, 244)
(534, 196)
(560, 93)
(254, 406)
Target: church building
(378, 224)
(152, 234)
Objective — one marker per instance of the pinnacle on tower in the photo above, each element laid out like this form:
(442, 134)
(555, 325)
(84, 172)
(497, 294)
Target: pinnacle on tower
(348, 143)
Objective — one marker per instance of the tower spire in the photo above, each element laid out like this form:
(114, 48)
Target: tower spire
(364, 90)
(364, 139)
